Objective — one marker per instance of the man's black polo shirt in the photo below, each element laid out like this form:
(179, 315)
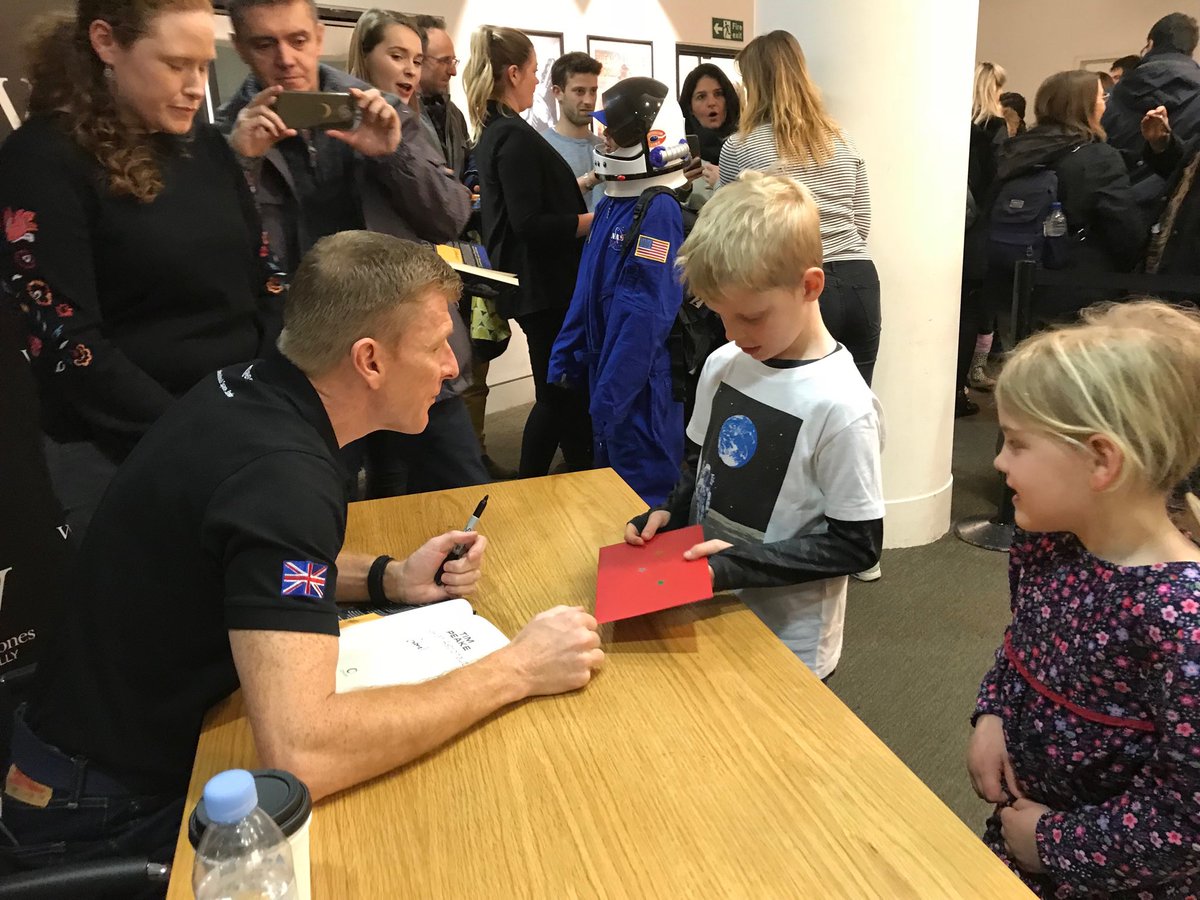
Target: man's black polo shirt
(228, 514)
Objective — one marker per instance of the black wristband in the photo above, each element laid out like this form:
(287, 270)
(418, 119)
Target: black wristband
(375, 580)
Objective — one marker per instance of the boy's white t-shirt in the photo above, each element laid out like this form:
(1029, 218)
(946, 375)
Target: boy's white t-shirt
(780, 450)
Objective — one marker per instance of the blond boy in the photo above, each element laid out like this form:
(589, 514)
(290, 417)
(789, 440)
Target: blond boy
(783, 447)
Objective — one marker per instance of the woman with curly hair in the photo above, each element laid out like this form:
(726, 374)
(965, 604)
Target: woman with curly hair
(133, 249)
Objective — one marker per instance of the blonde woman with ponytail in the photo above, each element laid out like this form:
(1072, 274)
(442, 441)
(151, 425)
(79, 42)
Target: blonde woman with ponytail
(534, 221)
(989, 129)
(985, 104)
(786, 130)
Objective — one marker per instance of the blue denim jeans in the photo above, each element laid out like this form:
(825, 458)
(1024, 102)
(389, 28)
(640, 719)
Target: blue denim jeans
(87, 813)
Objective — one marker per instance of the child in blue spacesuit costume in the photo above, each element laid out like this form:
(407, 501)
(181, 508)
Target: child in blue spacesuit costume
(627, 297)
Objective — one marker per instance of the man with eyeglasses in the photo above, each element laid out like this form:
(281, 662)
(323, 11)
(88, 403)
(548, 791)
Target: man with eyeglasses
(441, 116)
(448, 126)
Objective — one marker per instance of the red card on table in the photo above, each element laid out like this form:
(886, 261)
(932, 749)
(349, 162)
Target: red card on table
(632, 581)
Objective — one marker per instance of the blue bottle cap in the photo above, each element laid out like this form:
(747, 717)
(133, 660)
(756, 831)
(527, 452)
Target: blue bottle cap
(230, 796)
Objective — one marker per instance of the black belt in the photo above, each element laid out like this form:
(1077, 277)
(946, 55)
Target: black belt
(46, 764)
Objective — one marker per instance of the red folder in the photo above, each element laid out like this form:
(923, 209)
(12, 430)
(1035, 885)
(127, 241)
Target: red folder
(632, 581)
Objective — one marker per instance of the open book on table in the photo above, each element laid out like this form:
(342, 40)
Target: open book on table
(414, 646)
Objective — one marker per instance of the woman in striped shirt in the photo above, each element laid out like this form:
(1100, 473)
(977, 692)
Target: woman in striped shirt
(786, 130)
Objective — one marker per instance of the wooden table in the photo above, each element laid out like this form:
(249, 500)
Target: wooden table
(703, 761)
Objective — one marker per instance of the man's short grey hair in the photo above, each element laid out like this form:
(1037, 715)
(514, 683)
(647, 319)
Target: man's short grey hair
(237, 9)
(351, 285)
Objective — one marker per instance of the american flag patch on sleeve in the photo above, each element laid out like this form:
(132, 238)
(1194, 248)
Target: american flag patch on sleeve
(302, 578)
(652, 248)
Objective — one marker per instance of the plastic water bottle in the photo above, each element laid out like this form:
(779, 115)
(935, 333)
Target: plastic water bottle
(1055, 225)
(243, 855)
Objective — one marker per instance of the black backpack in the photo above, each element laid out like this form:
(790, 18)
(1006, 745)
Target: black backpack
(698, 330)
(1016, 218)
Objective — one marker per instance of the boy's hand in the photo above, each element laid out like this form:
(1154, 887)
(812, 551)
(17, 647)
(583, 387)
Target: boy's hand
(657, 521)
(988, 762)
(1018, 827)
(706, 549)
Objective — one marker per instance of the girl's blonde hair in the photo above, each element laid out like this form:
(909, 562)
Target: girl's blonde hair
(1128, 371)
(757, 233)
(493, 50)
(780, 92)
(369, 31)
(985, 102)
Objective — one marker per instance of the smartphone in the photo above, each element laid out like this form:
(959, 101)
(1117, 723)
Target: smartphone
(693, 142)
(316, 109)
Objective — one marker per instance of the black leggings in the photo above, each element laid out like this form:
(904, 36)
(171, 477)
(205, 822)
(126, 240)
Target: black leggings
(850, 308)
(559, 417)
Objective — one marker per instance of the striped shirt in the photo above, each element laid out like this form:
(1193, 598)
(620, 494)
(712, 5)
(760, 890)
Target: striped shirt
(839, 185)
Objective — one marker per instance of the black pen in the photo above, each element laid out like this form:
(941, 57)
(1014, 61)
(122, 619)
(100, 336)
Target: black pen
(460, 549)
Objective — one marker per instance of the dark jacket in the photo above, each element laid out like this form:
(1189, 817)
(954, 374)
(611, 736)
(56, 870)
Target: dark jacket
(981, 161)
(1163, 79)
(129, 304)
(1094, 189)
(1107, 231)
(445, 123)
(407, 194)
(531, 205)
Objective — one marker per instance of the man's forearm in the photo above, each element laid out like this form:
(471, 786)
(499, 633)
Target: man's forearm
(351, 738)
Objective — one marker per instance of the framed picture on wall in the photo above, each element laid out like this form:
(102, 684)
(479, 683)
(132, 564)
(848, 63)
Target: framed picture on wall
(621, 59)
(548, 46)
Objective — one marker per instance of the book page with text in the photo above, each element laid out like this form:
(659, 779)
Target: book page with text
(414, 646)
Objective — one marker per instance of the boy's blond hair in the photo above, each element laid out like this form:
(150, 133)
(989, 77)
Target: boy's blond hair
(757, 233)
(1128, 371)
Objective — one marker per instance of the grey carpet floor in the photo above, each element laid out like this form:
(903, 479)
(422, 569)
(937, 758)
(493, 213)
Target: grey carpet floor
(918, 640)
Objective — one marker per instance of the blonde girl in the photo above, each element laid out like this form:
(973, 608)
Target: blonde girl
(1086, 728)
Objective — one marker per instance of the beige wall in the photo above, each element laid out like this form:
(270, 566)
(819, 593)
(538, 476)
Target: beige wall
(1033, 39)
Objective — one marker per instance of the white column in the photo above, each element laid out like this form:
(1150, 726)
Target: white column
(896, 74)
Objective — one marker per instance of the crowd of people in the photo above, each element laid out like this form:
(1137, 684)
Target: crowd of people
(236, 329)
(1117, 145)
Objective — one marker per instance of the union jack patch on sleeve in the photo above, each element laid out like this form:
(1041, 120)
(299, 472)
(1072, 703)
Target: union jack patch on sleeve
(302, 578)
(652, 248)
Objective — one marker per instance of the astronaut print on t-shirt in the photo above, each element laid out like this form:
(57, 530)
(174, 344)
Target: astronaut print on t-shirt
(743, 463)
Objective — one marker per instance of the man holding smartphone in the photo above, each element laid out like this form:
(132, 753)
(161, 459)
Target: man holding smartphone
(312, 182)
(309, 182)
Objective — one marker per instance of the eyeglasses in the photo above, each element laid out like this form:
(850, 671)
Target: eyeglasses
(443, 60)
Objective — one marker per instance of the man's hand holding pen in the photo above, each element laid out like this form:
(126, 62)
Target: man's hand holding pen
(412, 580)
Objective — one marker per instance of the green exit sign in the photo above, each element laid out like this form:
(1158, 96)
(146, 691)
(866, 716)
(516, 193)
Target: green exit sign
(728, 30)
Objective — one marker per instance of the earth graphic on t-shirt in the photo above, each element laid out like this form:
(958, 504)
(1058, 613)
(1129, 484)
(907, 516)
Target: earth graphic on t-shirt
(737, 441)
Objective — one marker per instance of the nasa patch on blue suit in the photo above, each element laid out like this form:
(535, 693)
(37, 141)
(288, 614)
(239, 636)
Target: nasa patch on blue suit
(616, 240)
